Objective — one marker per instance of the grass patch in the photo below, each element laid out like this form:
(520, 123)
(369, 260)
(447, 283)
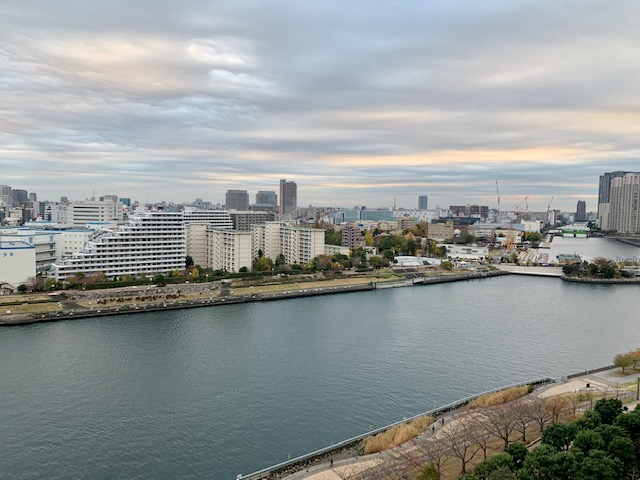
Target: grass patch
(628, 371)
(498, 398)
(396, 435)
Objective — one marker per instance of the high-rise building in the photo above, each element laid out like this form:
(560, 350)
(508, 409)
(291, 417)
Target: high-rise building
(20, 197)
(604, 191)
(33, 197)
(624, 204)
(236, 200)
(228, 250)
(266, 198)
(288, 197)
(423, 201)
(581, 211)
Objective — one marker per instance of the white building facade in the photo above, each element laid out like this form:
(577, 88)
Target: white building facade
(151, 243)
(228, 250)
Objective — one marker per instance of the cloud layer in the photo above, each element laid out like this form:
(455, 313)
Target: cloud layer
(359, 102)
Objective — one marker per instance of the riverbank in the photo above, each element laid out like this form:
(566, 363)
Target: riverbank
(71, 305)
(347, 457)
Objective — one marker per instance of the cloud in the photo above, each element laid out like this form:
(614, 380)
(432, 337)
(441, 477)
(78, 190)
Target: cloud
(357, 102)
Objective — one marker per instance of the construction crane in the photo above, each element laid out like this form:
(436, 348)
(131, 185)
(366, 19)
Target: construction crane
(549, 206)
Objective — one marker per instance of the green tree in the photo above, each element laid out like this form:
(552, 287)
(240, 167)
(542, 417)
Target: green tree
(495, 462)
(243, 270)
(559, 435)
(333, 237)
(623, 448)
(518, 452)
(22, 288)
(587, 440)
(541, 463)
(608, 409)
(589, 421)
(631, 423)
(597, 466)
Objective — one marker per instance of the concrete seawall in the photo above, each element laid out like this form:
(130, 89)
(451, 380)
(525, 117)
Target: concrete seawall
(299, 292)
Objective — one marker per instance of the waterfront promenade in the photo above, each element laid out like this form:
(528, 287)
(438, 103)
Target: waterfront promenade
(343, 465)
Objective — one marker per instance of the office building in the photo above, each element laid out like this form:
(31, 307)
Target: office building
(20, 197)
(266, 198)
(82, 212)
(423, 201)
(288, 197)
(236, 200)
(17, 263)
(481, 211)
(581, 211)
(151, 243)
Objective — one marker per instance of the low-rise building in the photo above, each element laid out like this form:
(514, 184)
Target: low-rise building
(17, 263)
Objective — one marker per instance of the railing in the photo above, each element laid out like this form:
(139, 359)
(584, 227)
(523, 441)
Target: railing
(345, 443)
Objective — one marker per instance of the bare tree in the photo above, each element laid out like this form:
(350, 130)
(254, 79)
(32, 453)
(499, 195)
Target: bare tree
(501, 421)
(457, 438)
(540, 412)
(524, 416)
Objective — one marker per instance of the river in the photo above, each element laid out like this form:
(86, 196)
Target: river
(216, 391)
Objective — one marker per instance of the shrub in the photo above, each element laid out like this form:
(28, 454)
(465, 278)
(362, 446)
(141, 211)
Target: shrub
(396, 435)
(498, 398)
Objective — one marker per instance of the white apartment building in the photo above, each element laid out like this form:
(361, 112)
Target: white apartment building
(300, 245)
(228, 250)
(151, 243)
(624, 204)
(196, 236)
(218, 218)
(82, 212)
(266, 238)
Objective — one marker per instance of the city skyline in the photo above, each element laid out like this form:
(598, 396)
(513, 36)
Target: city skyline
(357, 104)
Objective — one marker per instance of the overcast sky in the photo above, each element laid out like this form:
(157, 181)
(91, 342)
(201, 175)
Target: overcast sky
(359, 102)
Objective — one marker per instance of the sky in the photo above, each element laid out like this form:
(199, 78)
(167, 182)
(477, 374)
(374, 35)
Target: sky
(359, 102)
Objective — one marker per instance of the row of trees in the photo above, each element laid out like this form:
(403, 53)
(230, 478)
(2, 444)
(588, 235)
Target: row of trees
(626, 360)
(601, 445)
(473, 434)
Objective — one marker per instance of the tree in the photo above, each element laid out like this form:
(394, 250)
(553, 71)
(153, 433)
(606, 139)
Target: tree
(559, 435)
(332, 237)
(587, 440)
(588, 421)
(262, 264)
(22, 288)
(623, 360)
(458, 437)
(498, 461)
(608, 409)
(243, 270)
(597, 466)
(501, 422)
(189, 261)
(541, 463)
(623, 449)
(518, 452)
